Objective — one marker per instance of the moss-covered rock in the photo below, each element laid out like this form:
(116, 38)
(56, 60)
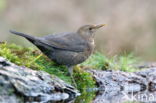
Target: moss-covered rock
(34, 59)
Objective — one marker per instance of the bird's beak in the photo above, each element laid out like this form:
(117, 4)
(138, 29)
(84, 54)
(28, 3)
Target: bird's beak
(99, 26)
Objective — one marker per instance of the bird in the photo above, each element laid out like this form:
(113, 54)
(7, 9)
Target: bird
(67, 48)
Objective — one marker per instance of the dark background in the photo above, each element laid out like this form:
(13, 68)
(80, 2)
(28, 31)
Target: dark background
(131, 24)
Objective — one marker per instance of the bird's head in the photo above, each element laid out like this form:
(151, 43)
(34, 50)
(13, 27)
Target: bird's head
(89, 30)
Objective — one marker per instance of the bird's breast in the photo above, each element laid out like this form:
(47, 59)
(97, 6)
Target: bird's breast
(91, 46)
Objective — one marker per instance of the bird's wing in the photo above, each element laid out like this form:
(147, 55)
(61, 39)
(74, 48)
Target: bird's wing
(65, 41)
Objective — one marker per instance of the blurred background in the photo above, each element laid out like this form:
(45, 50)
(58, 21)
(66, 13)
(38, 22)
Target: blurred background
(131, 24)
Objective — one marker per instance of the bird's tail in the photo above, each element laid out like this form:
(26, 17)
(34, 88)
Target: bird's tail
(30, 38)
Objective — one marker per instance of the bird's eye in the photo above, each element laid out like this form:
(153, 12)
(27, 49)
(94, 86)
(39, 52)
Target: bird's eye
(90, 28)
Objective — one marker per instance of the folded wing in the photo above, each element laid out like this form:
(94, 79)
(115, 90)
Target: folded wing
(65, 41)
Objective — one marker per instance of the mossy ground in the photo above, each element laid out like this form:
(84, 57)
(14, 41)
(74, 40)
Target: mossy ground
(34, 59)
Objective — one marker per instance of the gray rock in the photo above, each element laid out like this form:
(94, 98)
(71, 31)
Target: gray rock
(21, 84)
(120, 87)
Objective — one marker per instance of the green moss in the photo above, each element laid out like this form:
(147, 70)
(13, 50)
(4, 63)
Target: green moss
(84, 80)
(32, 58)
(96, 61)
(84, 83)
(123, 63)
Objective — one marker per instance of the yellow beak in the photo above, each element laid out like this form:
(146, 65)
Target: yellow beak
(99, 26)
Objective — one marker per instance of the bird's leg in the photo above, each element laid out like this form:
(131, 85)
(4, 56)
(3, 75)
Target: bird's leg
(70, 70)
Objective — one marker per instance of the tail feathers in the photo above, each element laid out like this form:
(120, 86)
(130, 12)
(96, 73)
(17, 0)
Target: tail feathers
(30, 38)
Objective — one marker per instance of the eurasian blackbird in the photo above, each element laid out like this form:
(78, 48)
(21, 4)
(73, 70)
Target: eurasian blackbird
(68, 48)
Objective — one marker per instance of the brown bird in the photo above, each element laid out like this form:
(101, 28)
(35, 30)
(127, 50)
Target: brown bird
(69, 48)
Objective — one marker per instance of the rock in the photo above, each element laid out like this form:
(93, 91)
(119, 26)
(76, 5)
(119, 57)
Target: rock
(21, 84)
(119, 87)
